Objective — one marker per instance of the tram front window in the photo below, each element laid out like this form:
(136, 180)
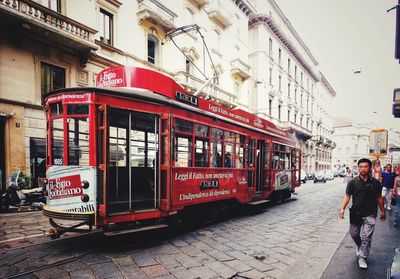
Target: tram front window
(57, 140)
(78, 141)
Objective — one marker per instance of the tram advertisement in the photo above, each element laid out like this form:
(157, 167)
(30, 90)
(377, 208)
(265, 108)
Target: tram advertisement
(204, 185)
(283, 180)
(71, 188)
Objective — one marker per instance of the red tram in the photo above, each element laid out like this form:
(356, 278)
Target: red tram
(137, 150)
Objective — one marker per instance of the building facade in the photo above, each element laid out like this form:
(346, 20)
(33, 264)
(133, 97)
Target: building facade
(322, 143)
(353, 143)
(261, 62)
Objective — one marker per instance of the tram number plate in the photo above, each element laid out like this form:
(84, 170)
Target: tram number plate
(186, 98)
(212, 184)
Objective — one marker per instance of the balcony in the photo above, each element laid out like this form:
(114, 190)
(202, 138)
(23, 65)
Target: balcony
(28, 19)
(300, 132)
(240, 68)
(191, 84)
(200, 3)
(217, 12)
(155, 12)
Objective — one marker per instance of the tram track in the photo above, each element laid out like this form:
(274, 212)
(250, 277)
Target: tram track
(55, 264)
(47, 241)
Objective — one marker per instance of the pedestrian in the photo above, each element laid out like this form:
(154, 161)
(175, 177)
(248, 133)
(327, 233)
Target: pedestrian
(377, 170)
(366, 197)
(349, 176)
(228, 160)
(388, 177)
(396, 184)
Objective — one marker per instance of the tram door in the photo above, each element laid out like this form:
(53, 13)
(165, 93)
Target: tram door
(132, 182)
(260, 173)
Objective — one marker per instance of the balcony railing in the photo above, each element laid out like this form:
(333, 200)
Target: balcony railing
(216, 11)
(240, 68)
(200, 3)
(157, 13)
(36, 14)
(192, 83)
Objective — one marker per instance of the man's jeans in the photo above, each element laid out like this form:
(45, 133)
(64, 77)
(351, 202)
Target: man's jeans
(362, 234)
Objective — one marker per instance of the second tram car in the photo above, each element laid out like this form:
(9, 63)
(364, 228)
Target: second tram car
(137, 149)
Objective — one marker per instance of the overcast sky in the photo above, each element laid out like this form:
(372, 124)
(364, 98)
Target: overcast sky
(345, 35)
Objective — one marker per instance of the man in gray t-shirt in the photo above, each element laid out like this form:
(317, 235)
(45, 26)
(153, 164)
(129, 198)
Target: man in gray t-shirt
(366, 197)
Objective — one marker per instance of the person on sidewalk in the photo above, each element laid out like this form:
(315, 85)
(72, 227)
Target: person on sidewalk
(388, 177)
(366, 196)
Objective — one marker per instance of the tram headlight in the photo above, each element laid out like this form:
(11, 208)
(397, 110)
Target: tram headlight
(85, 198)
(85, 184)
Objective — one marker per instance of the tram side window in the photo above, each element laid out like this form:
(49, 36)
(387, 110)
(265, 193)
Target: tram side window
(57, 141)
(216, 154)
(250, 151)
(183, 151)
(293, 158)
(78, 141)
(228, 160)
(118, 146)
(56, 109)
(275, 157)
(239, 151)
(201, 153)
(281, 157)
(267, 158)
(202, 145)
(183, 126)
(77, 109)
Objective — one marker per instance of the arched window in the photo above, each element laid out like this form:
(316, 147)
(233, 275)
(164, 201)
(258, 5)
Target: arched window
(152, 49)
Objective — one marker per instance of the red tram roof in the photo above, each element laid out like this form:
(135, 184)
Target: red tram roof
(135, 77)
(123, 80)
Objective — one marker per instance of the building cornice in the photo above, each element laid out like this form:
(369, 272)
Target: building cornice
(293, 31)
(271, 24)
(327, 85)
(246, 7)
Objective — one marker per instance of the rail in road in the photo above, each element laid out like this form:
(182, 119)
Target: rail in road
(273, 243)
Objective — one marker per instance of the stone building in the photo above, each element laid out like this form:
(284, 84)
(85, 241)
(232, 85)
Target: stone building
(261, 62)
(353, 143)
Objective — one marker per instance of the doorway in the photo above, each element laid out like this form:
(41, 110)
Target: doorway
(133, 142)
(2, 153)
(260, 173)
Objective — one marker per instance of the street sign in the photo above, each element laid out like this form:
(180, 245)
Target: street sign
(394, 149)
(378, 140)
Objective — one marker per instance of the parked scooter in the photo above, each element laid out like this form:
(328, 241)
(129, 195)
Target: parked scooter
(16, 196)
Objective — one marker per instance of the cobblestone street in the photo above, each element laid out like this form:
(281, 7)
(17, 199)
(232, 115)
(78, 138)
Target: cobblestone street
(294, 239)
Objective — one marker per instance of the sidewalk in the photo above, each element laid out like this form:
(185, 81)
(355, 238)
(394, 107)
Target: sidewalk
(344, 263)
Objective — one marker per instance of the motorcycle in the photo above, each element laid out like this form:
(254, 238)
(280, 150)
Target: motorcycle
(21, 198)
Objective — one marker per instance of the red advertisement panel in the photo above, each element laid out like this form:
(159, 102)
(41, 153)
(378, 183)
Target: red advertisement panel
(65, 187)
(193, 186)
